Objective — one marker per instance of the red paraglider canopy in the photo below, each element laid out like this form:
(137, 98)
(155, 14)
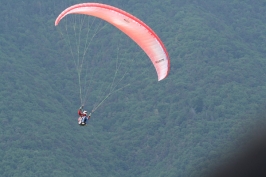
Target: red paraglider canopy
(137, 30)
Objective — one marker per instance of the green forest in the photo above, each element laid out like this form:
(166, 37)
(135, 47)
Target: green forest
(203, 114)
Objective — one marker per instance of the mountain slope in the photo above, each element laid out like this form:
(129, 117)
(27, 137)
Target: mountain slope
(180, 126)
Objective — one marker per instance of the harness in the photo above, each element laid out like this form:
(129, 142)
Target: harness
(80, 122)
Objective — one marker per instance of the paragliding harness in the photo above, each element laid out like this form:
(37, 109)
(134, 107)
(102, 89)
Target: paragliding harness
(82, 121)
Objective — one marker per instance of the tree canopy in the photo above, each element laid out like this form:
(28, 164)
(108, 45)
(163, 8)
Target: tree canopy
(185, 125)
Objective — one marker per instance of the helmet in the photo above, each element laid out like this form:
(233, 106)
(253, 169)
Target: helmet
(85, 112)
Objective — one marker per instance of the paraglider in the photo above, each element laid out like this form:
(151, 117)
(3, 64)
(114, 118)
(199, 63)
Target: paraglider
(134, 28)
(83, 116)
(137, 30)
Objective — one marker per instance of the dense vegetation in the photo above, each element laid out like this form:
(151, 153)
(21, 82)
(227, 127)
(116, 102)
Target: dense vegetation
(181, 126)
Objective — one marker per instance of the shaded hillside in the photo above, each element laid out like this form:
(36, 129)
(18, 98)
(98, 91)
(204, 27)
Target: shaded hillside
(180, 126)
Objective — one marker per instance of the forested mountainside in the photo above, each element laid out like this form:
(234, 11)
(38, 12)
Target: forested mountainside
(184, 125)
